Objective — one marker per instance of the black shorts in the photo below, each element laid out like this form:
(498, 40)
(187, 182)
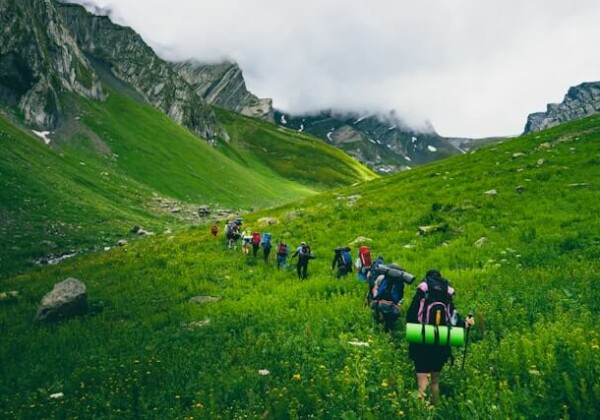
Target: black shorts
(429, 359)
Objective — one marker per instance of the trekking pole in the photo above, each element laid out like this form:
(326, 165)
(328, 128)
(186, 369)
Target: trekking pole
(466, 342)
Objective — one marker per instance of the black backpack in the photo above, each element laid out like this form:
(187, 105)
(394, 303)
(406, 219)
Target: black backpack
(434, 307)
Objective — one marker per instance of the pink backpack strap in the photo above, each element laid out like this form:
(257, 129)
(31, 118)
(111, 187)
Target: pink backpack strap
(451, 291)
(423, 287)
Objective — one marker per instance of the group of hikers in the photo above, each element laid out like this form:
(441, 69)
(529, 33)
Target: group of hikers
(432, 321)
(255, 240)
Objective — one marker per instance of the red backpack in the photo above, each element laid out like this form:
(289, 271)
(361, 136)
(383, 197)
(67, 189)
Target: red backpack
(255, 238)
(364, 253)
(282, 249)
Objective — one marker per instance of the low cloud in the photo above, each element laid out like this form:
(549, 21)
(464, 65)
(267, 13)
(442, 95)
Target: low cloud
(472, 68)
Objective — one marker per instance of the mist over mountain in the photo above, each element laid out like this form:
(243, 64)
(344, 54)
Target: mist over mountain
(382, 142)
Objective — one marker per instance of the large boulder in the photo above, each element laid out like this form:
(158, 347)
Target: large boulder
(67, 299)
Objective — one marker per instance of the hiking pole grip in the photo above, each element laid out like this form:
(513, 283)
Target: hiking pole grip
(469, 316)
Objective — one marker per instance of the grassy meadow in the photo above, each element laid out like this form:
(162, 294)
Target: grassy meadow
(525, 260)
(109, 162)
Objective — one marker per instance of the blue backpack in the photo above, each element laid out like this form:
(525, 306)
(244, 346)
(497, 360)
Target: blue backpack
(347, 258)
(266, 240)
(389, 289)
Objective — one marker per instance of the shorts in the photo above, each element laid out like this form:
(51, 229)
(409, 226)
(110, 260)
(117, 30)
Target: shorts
(428, 359)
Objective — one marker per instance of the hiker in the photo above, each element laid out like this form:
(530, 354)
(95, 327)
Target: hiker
(371, 273)
(246, 241)
(387, 293)
(304, 255)
(343, 260)
(282, 253)
(432, 304)
(232, 232)
(363, 262)
(214, 229)
(255, 243)
(266, 244)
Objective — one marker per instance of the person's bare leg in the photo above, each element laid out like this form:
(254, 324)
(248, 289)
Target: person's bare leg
(435, 387)
(422, 382)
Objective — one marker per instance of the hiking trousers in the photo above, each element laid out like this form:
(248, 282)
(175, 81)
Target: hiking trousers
(302, 268)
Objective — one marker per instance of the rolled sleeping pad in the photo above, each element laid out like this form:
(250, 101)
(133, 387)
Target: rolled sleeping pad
(414, 334)
(394, 271)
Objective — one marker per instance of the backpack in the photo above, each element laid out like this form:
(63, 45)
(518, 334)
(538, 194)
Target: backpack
(266, 240)
(346, 259)
(434, 307)
(388, 288)
(282, 249)
(364, 253)
(256, 238)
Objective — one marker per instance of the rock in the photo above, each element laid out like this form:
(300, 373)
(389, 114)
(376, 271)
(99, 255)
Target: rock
(135, 229)
(10, 296)
(198, 324)
(579, 102)
(518, 154)
(204, 211)
(267, 221)
(361, 239)
(480, 242)
(353, 199)
(540, 162)
(579, 184)
(67, 299)
(424, 230)
(491, 192)
(204, 299)
(122, 242)
(520, 189)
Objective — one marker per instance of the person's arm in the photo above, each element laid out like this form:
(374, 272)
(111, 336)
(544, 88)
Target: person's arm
(295, 253)
(334, 262)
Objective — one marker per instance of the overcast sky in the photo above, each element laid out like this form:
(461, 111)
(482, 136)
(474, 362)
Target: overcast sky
(474, 68)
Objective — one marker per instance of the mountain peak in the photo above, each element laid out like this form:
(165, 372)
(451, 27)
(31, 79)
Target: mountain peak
(580, 101)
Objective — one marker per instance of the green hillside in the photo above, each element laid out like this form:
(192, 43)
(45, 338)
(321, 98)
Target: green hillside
(290, 154)
(107, 164)
(145, 351)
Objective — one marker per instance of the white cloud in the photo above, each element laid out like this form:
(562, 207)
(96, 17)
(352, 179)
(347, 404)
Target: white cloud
(473, 68)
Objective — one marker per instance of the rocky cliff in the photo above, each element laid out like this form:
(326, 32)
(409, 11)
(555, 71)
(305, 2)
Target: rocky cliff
(579, 102)
(382, 142)
(223, 84)
(131, 60)
(39, 61)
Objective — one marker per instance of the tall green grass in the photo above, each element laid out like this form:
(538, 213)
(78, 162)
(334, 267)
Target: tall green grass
(109, 161)
(535, 350)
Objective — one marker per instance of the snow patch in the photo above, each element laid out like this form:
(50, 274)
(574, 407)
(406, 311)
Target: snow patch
(372, 141)
(431, 148)
(329, 135)
(301, 129)
(362, 118)
(413, 139)
(43, 135)
(378, 142)
(392, 127)
(407, 158)
(283, 120)
(389, 146)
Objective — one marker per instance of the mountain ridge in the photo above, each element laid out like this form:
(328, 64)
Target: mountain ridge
(581, 101)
